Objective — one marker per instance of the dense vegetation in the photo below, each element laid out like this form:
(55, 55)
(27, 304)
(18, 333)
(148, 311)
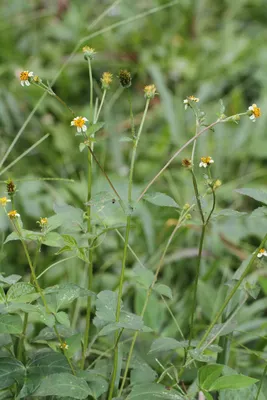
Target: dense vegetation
(124, 290)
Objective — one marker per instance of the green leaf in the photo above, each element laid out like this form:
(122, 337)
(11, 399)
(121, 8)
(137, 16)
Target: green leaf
(232, 382)
(153, 391)
(256, 194)
(53, 239)
(227, 212)
(126, 139)
(60, 296)
(166, 344)
(10, 280)
(160, 199)
(98, 384)
(164, 290)
(142, 374)
(63, 385)
(106, 304)
(10, 324)
(143, 276)
(94, 128)
(47, 334)
(63, 318)
(22, 292)
(82, 146)
(222, 106)
(208, 374)
(11, 371)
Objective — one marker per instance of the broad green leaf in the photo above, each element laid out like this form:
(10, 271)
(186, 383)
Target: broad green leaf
(63, 318)
(43, 316)
(160, 199)
(10, 324)
(94, 128)
(256, 194)
(143, 276)
(27, 235)
(82, 146)
(60, 296)
(22, 292)
(47, 334)
(14, 307)
(164, 290)
(153, 391)
(241, 394)
(208, 374)
(10, 280)
(106, 304)
(74, 342)
(142, 374)
(166, 344)
(63, 385)
(126, 139)
(232, 382)
(11, 371)
(53, 239)
(228, 213)
(97, 383)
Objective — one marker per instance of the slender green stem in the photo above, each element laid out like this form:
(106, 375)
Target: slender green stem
(232, 293)
(261, 383)
(91, 89)
(125, 249)
(197, 196)
(149, 291)
(22, 337)
(100, 107)
(194, 144)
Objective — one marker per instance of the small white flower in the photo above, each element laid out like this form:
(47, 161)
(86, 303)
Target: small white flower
(80, 123)
(206, 161)
(4, 201)
(13, 214)
(24, 78)
(262, 253)
(256, 112)
(190, 98)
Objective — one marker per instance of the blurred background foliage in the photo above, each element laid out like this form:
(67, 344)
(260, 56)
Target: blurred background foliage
(211, 49)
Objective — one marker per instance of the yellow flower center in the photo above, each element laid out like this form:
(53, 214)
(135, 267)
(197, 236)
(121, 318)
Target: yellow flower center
(43, 221)
(3, 201)
(206, 160)
(193, 98)
(12, 214)
(88, 49)
(262, 251)
(256, 111)
(106, 78)
(24, 75)
(79, 122)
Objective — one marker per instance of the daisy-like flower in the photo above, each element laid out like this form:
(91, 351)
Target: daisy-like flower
(24, 78)
(89, 52)
(188, 99)
(205, 162)
(80, 123)
(106, 80)
(64, 346)
(125, 78)
(42, 222)
(262, 253)
(255, 112)
(150, 91)
(4, 200)
(13, 214)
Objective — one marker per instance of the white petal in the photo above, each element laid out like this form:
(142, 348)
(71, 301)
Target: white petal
(72, 123)
(211, 161)
(250, 108)
(78, 129)
(185, 101)
(22, 83)
(27, 83)
(8, 200)
(30, 74)
(252, 116)
(85, 119)
(259, 255)
(75, 119)
(185, 107)
(17, 215)
(201, 164)
(84, 128)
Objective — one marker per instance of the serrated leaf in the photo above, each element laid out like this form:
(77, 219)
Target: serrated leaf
(166, 344)
(63, 385)
(59, 296)
(164, 290)
(153, 391)
(11, 371)
(106, 305)
(47, 334)
(232, 382)
(63, 318)
(142, 374)
(22, 292)
(256, 194)
(97, 383)
(94, 128)
(10, 324)
(53, 239)
(160, 199)
(227, 212)
(143, 276)
(10, 280)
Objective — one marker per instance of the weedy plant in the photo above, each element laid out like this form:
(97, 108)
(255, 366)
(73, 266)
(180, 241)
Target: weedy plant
(70, 341)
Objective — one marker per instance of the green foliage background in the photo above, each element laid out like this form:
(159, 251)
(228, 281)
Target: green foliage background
(210, 49)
